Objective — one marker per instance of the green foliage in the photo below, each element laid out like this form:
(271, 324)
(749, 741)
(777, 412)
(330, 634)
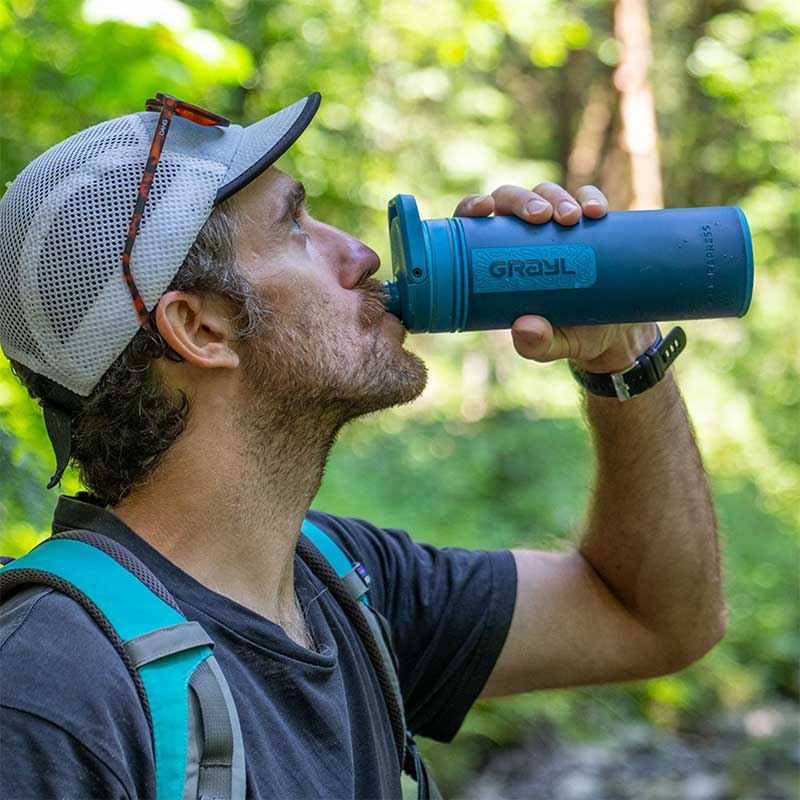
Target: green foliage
(442, 99)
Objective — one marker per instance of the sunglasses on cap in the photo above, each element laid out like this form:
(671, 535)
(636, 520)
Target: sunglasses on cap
(169, 107)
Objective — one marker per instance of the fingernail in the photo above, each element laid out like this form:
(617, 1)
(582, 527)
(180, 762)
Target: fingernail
(536, 207)
(565, 207)
(593, 204)
(477, 200)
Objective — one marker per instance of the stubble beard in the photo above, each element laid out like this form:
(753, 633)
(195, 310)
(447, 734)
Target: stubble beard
(317, 372)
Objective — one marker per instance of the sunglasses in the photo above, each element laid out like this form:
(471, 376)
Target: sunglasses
(169, 107)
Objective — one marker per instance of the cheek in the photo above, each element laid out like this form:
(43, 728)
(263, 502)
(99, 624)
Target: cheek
(307, 299)
(303, 282)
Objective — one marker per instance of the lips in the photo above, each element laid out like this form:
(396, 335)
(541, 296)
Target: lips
(373, 306)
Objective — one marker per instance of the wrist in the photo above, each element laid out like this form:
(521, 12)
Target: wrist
(623, 353)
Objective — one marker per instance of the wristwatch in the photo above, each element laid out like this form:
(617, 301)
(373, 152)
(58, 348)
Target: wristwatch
(644, 373)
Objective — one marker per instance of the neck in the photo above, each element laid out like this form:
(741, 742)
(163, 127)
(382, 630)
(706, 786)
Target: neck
(226, 506)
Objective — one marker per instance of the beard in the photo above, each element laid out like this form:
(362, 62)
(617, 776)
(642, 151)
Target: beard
(314, 369)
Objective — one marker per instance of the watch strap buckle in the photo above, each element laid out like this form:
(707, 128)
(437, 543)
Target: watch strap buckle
(620, 387)
(651, 366)
(644, 373)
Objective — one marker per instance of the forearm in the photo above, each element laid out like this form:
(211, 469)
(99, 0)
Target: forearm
(651, 531)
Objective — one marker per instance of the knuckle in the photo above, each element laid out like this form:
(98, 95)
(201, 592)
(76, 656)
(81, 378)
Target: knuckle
(464, 204)
(505, 188)
(574, 346)
(547, 186)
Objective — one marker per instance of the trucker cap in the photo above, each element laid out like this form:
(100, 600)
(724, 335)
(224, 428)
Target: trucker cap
(67, 307)
(65, 310)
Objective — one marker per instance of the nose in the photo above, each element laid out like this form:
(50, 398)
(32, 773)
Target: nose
(353, 259)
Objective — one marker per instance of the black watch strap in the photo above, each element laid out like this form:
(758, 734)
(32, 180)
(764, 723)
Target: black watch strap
(645, 372)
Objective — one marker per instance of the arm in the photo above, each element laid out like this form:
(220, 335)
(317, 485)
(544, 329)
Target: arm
(652, 504)
(641, 594)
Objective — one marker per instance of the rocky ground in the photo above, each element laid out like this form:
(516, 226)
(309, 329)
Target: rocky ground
(746, 756)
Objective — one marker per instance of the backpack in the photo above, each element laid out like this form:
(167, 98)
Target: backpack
(197, 740)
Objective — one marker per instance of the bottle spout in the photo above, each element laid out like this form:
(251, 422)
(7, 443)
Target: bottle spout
(392, 299)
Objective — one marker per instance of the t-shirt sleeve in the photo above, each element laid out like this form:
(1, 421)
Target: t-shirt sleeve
(42, 760)
(449, 610)
(71, 723)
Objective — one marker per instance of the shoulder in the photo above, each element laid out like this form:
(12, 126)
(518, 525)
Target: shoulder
(57, 667)
(363, 539)
(449, 610)
(407, 573)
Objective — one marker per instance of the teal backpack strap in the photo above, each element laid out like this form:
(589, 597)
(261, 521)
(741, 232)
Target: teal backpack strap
(178, 680)
(375, 633)
(351, 573)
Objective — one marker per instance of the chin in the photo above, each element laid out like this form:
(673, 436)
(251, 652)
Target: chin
(393, 381)
(336, 377)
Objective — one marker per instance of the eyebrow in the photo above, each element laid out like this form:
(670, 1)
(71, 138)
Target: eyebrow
(292, 200)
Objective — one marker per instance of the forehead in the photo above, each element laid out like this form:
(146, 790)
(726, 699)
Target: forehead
(259, 209)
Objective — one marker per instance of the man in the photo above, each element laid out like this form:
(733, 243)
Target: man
(201, 393)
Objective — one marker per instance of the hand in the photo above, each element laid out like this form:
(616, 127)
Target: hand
(595, 348)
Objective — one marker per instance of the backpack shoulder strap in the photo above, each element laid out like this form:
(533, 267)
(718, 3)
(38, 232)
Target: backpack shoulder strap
(351, 573)
(351, 591)
(169, 658)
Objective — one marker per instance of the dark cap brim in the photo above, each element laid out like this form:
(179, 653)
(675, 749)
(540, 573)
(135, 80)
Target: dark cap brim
(264, 142)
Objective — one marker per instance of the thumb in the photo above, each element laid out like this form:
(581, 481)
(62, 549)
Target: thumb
(535, 338)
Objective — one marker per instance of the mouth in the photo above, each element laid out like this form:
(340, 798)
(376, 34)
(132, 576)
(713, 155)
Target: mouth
(373, 305)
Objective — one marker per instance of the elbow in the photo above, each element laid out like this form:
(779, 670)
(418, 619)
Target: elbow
(682, 652)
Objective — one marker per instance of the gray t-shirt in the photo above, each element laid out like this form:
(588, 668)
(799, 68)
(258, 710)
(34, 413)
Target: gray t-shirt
(314, 724)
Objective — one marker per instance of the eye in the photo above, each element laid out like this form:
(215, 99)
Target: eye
(296, 222)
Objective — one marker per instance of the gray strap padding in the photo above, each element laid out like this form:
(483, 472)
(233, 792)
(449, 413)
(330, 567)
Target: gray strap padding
(165, 641)
(194, 749)
(354, 584)
(220, 771)
(426, 786)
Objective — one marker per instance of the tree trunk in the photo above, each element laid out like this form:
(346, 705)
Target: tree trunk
(637, 143)
(591, 139)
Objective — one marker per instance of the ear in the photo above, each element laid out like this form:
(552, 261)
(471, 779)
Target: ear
(198, 328)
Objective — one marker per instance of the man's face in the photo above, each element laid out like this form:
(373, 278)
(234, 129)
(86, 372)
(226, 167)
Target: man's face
(327, 345)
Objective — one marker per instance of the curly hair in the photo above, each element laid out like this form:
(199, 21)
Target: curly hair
(131, 418)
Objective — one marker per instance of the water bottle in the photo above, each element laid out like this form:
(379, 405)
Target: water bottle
(480, 273)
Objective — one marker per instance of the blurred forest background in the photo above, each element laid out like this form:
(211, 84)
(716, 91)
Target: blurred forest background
(682, 103)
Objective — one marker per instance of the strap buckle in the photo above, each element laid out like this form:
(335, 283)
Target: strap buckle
(651, 366)
(642, 367)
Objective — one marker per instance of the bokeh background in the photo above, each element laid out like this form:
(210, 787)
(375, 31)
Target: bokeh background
(673, 103)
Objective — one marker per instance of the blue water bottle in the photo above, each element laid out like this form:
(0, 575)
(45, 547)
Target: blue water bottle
(479, 273)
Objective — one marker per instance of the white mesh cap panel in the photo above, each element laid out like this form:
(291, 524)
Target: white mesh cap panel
(70, 210)
(26, 195)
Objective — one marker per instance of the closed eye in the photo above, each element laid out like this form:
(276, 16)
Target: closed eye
(294, 206)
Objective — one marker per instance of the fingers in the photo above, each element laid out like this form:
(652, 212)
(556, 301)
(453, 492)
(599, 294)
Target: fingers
(547, 201)
(566, 210)
(522, 203)
(475, 205)
(593, 201)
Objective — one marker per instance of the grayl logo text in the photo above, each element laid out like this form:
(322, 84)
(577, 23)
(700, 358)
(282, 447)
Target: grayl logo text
(529, 268)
